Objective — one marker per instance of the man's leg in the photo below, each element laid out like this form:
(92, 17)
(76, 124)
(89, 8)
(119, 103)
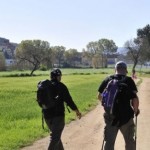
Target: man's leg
(56, 126)
(110, 133)
(128, 133)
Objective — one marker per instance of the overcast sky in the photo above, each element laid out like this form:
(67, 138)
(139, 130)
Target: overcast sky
(73, 23)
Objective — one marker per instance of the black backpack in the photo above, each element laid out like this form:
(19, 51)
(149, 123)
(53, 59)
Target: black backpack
(47, 95)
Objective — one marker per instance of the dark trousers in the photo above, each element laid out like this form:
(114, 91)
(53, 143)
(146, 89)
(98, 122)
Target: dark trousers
(110, 134)
(56, 126)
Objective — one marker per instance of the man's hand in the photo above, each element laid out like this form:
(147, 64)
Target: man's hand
(99, 96)
(137, 112)
(135, 104)
(79, 115)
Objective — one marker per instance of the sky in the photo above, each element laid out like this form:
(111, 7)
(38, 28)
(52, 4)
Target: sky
(73, 23)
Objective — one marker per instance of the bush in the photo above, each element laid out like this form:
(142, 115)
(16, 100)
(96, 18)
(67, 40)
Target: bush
(43, 68)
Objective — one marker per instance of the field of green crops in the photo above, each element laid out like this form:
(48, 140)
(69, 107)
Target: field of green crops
(20, 116)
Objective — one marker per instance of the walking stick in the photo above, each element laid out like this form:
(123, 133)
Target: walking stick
(103, 144)
(135, 130)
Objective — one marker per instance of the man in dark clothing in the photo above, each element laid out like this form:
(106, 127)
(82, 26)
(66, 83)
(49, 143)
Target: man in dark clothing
(123, 120)
(55, 117)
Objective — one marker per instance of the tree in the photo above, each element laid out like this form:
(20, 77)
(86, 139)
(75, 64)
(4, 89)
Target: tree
(98, 50)
(144, 33)
(71, 57)
(59, 53)
(96, 61)
(33, 51)
(134, 51)
(92, 48)
(106, 47)
(93, 53)
(2, 62)
(86, 58)
(48, 60)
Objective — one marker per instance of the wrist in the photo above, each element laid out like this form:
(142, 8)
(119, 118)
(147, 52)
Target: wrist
(136, 111)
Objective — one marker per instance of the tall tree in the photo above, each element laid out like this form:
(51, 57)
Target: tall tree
(98, 51)
(134, 51)
(144, 33)
(2, 62)
(93, 53)
(106, 47)
(86, 58)
(92, 48)
(71, 57)
(59, 53)
(34, 52)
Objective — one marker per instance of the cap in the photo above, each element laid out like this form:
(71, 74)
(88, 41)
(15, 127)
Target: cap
(55, 72)
(121, 64)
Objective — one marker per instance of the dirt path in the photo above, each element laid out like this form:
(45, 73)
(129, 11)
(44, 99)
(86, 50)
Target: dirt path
(87, 133)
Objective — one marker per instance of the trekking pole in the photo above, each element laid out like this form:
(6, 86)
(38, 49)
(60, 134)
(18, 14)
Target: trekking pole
(42, 120)
(135, 130)
(103, 144)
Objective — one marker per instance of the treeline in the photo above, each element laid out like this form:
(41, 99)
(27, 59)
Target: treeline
(37, 54)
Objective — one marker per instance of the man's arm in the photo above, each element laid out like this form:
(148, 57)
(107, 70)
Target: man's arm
(68, 99)
(101, 88)
(99, 96)
(135, 105)
(135, 99)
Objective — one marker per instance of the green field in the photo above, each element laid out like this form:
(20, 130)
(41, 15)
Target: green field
(65, 72)
(21, 116)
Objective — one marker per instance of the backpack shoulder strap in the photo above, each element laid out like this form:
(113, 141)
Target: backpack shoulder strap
(111, 77)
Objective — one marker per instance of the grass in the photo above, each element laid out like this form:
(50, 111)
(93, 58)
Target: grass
(20, 115)
(18, 112)
(46, 73)
(139, 71)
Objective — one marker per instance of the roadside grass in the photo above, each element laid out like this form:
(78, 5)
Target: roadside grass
(79, 71)
(65, 71)
(20, 114)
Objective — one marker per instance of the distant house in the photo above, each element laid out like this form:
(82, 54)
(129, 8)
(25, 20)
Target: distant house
(118, 56)
(8, 48)
(112, 59)
(9, 62)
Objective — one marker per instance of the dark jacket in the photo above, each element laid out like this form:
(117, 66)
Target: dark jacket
(64, 96)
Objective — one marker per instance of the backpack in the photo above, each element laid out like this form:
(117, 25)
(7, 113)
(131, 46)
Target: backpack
(113, 95)
(47, 94)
